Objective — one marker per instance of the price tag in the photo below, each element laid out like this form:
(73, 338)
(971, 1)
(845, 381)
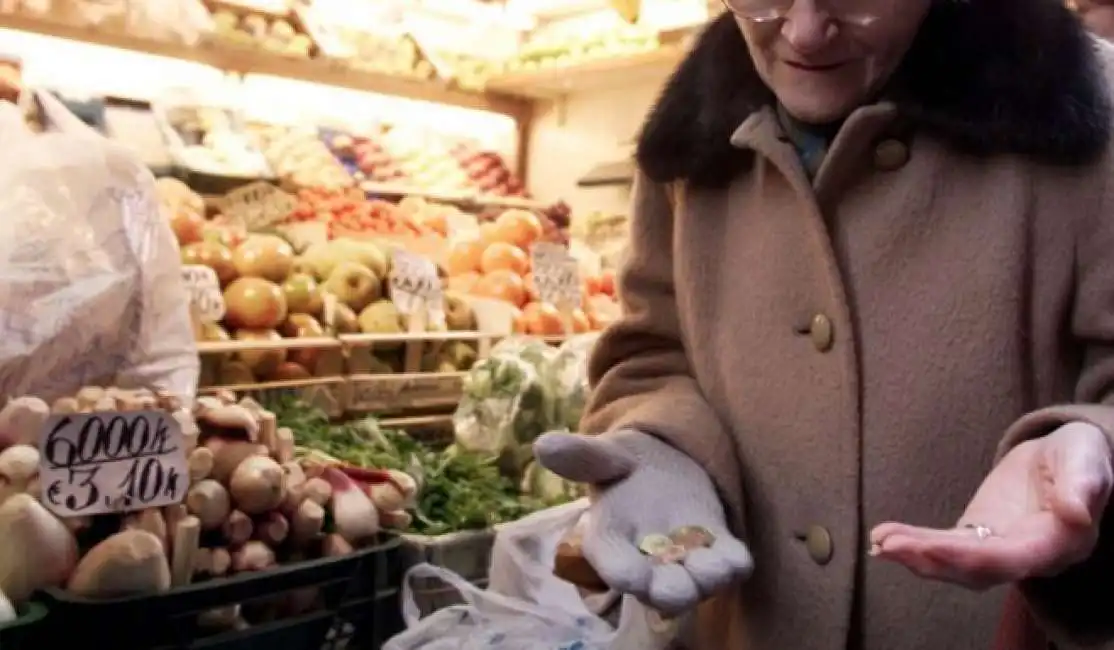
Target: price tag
(394, 394)
(204, 292)
(556, 275)
(259, 205)
(97, 463)
(414, 283)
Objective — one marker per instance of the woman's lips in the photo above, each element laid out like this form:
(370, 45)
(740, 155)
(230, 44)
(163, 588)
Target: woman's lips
(813, 67)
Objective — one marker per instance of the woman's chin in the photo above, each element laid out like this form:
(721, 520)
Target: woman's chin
(817, 109)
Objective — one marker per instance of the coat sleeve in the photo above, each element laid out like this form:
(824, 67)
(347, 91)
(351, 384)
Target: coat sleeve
(1074, 606)
(639, 369)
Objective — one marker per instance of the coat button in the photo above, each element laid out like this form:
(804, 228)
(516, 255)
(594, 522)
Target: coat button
(890, 155)
(818, 541)
(821, 332)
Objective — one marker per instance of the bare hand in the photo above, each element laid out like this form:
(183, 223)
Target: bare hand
(1036, 514)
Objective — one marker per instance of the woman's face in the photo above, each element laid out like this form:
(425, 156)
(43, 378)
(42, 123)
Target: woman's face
(822, 69)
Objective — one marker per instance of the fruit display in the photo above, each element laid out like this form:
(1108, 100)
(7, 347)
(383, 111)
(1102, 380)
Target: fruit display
(393, 54)
(604, 233)
(210, 139)
(364, 157)
(423, 159)
(336, 287)
(348, 212)
(555, 49)
(299, 158)
(497, 266)
(247, 28)
(469, 72)
(488, 172)
(251, 505)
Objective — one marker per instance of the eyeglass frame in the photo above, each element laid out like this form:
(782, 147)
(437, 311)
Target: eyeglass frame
(839, 19)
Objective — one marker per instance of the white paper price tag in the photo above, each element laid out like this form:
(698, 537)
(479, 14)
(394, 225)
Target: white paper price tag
(556, 275)
(97, 463)
(204, 292)
(414, 283)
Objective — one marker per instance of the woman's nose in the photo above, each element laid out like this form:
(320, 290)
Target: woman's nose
(807, 28)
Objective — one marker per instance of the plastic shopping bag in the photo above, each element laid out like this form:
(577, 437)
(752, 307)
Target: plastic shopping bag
(537, 611)
(90, 283)
(522, 568)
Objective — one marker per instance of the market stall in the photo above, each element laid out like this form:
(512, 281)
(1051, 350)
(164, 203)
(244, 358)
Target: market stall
(385, 315)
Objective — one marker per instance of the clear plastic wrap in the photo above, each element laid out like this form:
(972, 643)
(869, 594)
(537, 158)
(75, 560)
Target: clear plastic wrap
(503, 407)
(568, 373)
(90, 282)
(532, 350)
(507, 400)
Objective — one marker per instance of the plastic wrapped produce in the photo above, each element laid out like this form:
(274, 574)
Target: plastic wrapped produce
(532, 350)
(504, 407)
(568, 381)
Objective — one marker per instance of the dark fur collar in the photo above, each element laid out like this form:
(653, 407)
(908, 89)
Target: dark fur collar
(988, 76)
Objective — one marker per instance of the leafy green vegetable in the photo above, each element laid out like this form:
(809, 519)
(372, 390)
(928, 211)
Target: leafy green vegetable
(459, 490)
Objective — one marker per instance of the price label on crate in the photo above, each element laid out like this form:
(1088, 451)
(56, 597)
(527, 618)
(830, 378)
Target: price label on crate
(97, 463)
(415, 285)
(259, 205)
(395, 394)
(377, 394)
(205, 296)
(556, 275)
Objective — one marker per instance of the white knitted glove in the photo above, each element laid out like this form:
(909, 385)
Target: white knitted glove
(643, 487)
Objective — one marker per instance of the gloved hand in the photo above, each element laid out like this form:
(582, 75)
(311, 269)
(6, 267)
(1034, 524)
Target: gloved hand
(643, 487)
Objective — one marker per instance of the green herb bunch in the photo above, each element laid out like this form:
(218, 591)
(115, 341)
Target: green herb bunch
(458, 490)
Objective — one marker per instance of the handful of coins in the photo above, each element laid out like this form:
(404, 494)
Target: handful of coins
(675, 547)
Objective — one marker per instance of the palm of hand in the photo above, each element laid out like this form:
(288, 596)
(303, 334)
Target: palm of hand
(1042, 505)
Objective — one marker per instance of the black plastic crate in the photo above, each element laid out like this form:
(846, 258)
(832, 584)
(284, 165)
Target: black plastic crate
(24, 633)
(170, 621)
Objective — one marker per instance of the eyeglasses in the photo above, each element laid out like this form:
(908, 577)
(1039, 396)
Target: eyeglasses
(853, 12)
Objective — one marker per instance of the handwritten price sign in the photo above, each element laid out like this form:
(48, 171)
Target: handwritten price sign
(415, 284)
(259, 205)
(96, 463)
(556, 275)
(204, 292)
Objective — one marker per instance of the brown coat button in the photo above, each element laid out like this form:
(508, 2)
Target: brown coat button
(818, 541)
(890, 155)
(821, 332)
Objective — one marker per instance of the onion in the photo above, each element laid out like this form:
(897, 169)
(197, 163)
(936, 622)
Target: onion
(36, 549)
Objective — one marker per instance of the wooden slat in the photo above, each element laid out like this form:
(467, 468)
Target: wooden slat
(250, 61)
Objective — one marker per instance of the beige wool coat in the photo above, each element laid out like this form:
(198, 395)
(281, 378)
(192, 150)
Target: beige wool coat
(857, 348)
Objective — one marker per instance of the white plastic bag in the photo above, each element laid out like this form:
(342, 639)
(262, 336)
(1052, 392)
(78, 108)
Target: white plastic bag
(535, 611)
(90, 283)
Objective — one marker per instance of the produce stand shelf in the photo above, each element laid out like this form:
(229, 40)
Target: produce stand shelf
(463, 199)
(308, 343)
(247, 61)
(274, 385)
(560, 81)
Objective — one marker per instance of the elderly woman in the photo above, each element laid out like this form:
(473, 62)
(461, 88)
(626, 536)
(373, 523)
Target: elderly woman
(1098, 16)
(868, 340)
